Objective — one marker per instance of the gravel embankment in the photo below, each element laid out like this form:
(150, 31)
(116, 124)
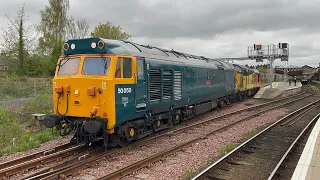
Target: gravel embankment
(15, 103)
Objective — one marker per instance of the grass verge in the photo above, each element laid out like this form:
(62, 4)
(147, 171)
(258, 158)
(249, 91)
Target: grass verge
(19, 131)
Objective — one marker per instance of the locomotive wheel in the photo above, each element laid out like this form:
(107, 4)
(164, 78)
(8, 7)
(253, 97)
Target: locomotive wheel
(176, 119)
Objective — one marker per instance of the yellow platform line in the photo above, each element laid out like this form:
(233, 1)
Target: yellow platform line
(276, 84)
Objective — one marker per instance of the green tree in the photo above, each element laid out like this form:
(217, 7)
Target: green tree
(17, 43)
(109, 31)
(53, 27)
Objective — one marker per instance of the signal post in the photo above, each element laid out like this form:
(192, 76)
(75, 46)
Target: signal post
(270, 52)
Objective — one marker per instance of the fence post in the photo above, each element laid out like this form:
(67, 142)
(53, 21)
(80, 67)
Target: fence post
(34, 87)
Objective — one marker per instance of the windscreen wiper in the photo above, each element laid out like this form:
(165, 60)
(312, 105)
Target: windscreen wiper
(105, 65)
(60, 65)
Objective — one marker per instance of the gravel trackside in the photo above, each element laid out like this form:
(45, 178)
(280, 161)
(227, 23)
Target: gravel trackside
(187, 159)
(195, 157)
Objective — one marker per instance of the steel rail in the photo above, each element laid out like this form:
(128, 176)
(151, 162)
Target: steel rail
(11, 170)
(34, 155)
(291, 146)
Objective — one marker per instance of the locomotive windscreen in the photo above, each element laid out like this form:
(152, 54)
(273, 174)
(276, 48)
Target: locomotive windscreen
(96, 66)
(68, 66)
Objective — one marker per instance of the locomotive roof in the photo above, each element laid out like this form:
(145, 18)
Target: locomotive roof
(89, 46)
(246, 68)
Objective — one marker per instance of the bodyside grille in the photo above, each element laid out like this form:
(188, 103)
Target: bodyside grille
(167, 84)
(177, 85)
(155, 85)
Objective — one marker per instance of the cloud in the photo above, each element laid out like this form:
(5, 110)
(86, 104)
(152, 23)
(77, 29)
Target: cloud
(209, 28)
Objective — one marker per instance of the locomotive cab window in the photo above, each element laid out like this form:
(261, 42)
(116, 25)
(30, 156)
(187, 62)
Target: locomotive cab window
(68, 66)
(123, 68)
(140, 69)
(127, 68)
(96, 66)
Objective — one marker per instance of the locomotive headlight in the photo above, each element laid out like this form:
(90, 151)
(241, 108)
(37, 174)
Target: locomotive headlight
(101, 44)
(93, 45)
(76, 92)
(65, 46)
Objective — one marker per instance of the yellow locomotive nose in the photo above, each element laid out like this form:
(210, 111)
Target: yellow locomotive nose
(87, 97)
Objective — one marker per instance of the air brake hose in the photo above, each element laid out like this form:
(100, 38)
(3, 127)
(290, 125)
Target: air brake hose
(65, 132)
(66, 104)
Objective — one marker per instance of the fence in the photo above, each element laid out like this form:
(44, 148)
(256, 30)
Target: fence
(24, 87)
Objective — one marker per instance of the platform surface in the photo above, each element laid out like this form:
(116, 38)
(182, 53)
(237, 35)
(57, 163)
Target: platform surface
(308, 166)
(277, 89)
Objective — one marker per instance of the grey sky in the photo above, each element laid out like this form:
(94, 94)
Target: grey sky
(203, 27)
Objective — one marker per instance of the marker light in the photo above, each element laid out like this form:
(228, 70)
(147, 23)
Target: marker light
(93, 45)
(76, 92)
(73, 46)
(65, 46)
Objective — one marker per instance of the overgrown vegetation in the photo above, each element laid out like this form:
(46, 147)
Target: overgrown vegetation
(16, 136)
(226, 149)
(19, 131)
(41, 104)
(250, 134)
(188, 175)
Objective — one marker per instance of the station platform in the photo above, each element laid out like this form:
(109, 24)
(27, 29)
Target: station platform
(308, 166)
(278, 89)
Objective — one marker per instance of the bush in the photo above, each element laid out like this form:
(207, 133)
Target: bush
(43, 136)
(41, 103)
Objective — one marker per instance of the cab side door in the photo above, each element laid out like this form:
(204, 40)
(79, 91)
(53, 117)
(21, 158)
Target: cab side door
(140, 91)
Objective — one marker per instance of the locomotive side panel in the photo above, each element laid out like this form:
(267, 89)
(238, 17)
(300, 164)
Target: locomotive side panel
(128, 91)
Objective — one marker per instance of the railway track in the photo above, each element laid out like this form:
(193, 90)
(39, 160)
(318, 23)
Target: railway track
(34, 156)
(286, 166)
(34, 161)
(81, 161)
(138, 165)
(262, 156)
